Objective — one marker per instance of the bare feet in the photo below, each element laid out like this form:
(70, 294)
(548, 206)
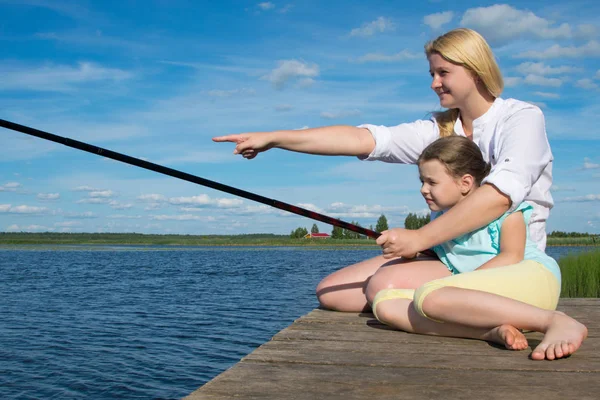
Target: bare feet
(562, 338)
(507, 335)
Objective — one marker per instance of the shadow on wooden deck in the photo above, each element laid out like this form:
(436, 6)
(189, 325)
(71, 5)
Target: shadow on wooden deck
(332, 355)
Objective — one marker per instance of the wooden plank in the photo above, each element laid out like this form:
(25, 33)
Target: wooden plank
(310, 382)
(333, 355)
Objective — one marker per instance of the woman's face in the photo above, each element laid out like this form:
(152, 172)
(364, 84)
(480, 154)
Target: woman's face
(452, 83)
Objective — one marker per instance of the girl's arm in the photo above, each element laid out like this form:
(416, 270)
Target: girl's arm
(513, 235)
(342, 140)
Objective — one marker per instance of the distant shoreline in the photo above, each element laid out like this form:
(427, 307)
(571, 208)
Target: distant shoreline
(139, 239)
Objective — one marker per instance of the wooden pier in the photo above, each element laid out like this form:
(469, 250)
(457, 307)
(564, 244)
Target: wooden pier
(332, 355)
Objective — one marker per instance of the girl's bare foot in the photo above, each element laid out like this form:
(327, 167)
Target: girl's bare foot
(562, 338)
(507, 335)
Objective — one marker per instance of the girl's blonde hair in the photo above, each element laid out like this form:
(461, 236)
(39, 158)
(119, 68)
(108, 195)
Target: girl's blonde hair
(466, 48)
(459, 155)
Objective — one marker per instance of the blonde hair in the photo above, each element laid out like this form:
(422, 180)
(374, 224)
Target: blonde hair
(466, 48)
(459, 155)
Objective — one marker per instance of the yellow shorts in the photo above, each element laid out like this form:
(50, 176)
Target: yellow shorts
(528, 281)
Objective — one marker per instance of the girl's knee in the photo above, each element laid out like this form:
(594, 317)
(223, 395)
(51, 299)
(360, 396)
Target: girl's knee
(426, 302)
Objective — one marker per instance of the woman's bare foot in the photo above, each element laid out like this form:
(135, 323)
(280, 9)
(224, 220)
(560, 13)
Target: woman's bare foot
(562, 338)
(507, 335)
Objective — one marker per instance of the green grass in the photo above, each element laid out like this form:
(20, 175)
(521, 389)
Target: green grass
(580, 274)
(573, 241)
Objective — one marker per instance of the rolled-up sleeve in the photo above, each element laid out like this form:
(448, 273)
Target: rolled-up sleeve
(521, 153)
(402, 143)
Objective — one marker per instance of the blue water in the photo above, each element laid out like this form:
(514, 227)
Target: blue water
(109, 322)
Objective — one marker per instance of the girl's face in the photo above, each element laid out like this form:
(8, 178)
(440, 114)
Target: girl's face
(452, 83)
(441, 190)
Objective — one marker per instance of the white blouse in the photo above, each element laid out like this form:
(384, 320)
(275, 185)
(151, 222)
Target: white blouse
(512, 138)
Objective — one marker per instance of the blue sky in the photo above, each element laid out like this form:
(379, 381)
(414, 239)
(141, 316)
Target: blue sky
(158, 79)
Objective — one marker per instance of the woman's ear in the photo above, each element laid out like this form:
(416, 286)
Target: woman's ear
(467, 184)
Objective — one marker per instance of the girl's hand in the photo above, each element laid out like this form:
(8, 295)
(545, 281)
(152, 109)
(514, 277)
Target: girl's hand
(399, 242)
(248, 144)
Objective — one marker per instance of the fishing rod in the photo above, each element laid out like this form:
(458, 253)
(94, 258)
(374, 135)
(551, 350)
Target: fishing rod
(187, 177)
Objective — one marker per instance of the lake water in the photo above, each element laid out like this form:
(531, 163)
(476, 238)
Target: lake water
(108, 322)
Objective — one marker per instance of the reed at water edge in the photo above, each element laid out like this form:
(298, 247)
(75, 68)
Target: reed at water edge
(580, 274)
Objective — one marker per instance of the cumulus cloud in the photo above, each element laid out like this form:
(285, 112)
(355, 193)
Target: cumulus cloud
(83, 215)
(289, 70)
(590, 49)
(501, 22)
(380, 25)
(437, 20)
(400, 56)
(184, 217)
(152, 198)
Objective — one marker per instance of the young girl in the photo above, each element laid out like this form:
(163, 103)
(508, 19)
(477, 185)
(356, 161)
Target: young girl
(510, 133)
(497, 279)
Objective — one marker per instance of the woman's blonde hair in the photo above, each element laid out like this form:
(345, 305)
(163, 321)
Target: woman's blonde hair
(466, 48)
(459, 155)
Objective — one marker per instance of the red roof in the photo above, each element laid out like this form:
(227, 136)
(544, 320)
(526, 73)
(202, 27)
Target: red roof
(319, 234)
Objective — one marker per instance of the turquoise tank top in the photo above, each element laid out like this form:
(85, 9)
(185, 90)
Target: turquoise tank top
(468, 252)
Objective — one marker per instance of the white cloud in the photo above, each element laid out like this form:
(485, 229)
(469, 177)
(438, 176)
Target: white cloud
(28, 228)
(283, 107)
(185, 217)
(580, 199)
(547, 95)
(153, 198)
(102, 193)
(340, 114)
(587, 84)
(266, 5)
(543, 69)
(10, 187)
(587, 164)
(57, 77)
(380, 25)
(205, 200)
(437, 20)
(291, 69)
(501, 22)
(400, 56)
(93, 200)
(512, 81)
(556, 188)
(121, 216)
(83, 215)
(48, 196)
(84, 189)
(230, 93)
(590, 49)
(22, 209)
(542, 81)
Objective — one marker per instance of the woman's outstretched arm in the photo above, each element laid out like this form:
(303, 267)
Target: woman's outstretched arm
(340, 140)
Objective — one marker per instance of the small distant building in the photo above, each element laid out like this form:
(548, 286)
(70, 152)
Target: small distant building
(317, 236)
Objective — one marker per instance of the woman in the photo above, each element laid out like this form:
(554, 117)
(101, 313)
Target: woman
(510, 133)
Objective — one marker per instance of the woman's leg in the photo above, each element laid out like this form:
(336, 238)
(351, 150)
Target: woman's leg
(352, 288)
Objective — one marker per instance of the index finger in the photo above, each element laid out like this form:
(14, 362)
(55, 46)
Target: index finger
(228, 138)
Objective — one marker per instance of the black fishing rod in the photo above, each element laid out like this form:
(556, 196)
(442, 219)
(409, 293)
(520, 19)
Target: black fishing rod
(186, 177)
